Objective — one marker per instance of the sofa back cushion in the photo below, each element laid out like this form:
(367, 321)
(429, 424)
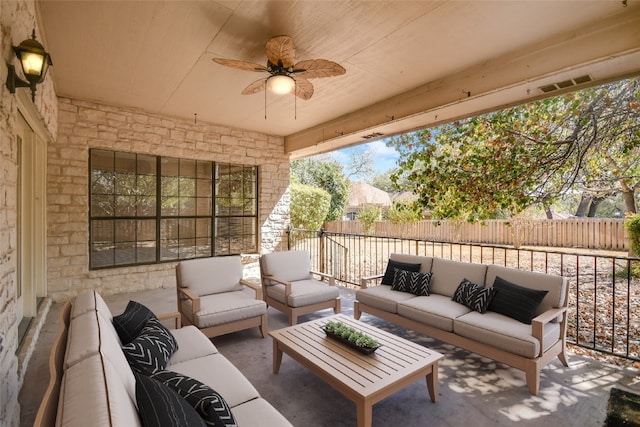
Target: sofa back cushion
(555, 285)
(287, 265)
(90, 301)
(425, 261)
(448, 274)
(207, 276)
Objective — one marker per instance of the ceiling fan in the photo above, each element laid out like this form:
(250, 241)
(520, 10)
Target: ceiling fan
(285, 73)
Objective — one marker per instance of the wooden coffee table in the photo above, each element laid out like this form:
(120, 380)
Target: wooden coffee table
(365, 379)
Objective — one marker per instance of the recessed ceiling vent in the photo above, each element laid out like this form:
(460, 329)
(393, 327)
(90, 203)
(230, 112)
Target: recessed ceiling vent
(566, 83)
(373, 135)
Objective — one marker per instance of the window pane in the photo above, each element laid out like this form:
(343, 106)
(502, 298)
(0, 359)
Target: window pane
(102, 182)
(102, 160)
(204, 170)
(102, 205)
(125, 206)
(203, 207)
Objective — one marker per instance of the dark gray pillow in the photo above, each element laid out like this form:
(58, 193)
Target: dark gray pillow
(160, 406)
(387, 279)
(150, 351)
(518, 302)
(207, 402)
(129, 324)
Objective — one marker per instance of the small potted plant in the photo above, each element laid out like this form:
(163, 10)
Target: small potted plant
(351, 336)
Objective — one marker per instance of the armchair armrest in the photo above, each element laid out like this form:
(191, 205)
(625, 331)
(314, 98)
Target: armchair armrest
(332, 280)
(287, 285)
(257, 287)
(172, 315)
(186, 293)
(367, 279)
(538, 322)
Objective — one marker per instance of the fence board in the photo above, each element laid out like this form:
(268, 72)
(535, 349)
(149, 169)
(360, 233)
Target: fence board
(589, 233)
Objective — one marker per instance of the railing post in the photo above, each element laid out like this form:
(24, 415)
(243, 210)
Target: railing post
(323, 257)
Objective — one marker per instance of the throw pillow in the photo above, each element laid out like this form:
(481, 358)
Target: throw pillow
(410, 281)
(129, 324)
(206, 401)
(150, 351)
(476, 297)
(160, 406)
(387, 279)
(518, 302)
(400, 280)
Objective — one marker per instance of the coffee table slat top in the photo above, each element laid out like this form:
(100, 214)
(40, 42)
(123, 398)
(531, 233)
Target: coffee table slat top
(362, 374)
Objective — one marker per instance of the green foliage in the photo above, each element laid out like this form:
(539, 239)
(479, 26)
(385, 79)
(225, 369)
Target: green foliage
(327, 175)
(402, 213)
(632, 226)
(498, 164)
(368, 215)
(309, 206)
(353, 335)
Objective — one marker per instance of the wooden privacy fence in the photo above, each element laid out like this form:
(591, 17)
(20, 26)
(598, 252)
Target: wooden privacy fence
(591, 233)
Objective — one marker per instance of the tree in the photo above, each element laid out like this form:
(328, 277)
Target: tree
(309, 206)
(368, 215)
(325, 174)
(500, 163)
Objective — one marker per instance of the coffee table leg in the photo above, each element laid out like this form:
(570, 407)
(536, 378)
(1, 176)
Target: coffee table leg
(432, 382)
(277, 357)
(365, 414)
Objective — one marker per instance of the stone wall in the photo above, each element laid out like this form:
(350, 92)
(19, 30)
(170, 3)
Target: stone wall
(84, 125)
(17, 20)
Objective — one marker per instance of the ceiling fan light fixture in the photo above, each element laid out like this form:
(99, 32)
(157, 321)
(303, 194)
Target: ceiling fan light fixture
(281, 84)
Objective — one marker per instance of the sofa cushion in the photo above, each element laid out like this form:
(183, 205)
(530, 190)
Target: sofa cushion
(90, 301)
(505, 333)
(476, 297)
(435, 310)
(129, 324)
(226, 307)
(159, 405)
(555, 284)
(382, 297)
(304, 292)
(209, 404)
(150, 351)
(192, 344)
(392, 265)
(258, 412)
(287, 265)
(93, 385)
(448, 274)
(517, 302)
(205, 276)
(413, 282)
(220, 374)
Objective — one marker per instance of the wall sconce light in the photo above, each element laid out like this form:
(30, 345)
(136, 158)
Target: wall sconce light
(35, 62)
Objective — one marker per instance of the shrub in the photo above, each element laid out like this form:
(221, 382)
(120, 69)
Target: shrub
(309, 206)
(632, 225)
(368, 215)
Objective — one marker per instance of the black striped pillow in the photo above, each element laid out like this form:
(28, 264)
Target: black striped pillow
(151, 350)
(518, 302)
(129, 324)
(160, 406)
(476, 297)
(207, 402)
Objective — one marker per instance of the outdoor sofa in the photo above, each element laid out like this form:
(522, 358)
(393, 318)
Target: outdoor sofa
(93, 383)
(461, 315)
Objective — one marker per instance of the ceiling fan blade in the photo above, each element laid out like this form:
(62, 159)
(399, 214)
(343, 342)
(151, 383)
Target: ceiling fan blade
(304, 88)
(316, 68)
(255, 87)
(240, 65)
(281, 51)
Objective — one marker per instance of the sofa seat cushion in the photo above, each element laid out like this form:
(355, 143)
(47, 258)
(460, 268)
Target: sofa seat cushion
(304, 292)
(448, 274)
(382, 297)
(258, 412)
(502, 332)
(92, 393)
(221, 375)
(192, 344)
(435, 310)
(218, 309)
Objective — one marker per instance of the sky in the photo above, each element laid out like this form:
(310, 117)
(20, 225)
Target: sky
(384, 157)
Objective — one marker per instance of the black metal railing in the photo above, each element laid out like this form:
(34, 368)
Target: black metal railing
(604, 294)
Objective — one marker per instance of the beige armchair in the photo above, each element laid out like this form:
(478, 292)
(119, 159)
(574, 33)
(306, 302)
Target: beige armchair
(213, 296)
(288, 285)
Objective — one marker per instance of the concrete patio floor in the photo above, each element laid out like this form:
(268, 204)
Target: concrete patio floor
(474, 391)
